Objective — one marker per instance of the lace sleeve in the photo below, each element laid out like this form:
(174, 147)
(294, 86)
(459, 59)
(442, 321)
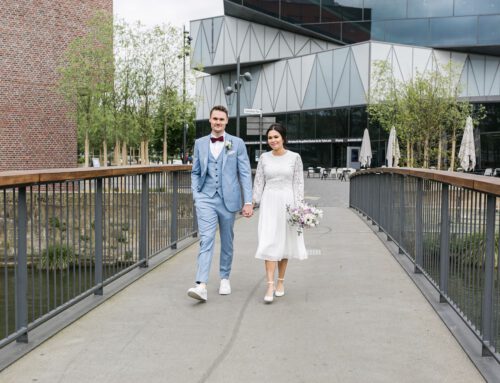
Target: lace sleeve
(298, 181)
(259, 181)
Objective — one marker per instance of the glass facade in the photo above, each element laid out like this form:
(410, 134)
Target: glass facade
(462, 24)
(322, 136)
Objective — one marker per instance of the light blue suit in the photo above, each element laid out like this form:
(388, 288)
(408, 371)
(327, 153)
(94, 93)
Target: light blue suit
(217, 186)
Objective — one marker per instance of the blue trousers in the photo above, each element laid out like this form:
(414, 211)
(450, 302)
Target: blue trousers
(211, 211)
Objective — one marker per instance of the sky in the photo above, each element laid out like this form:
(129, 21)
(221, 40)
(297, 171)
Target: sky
(175, 12)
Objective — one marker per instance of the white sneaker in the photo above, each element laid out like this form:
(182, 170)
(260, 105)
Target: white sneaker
(225, 287)
(198, 292)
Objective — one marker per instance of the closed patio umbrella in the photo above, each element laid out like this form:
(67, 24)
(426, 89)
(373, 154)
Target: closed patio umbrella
(393, 153)
(365, 155)
(467, 153)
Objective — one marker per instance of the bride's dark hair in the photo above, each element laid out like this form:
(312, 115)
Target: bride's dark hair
(280, 129)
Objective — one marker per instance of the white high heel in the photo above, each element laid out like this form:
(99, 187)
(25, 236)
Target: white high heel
(280, 293)
(269, 298)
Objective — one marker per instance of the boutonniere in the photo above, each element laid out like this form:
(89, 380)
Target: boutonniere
(228, 145)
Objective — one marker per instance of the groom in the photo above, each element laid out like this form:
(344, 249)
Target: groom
(221, 170)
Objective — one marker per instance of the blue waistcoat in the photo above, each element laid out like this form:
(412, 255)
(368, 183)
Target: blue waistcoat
(213, 180)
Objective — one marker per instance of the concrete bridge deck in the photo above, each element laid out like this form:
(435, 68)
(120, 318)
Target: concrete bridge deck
(350, 314)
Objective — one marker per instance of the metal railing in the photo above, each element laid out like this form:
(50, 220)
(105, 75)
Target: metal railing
(448, 225)
(67, 233)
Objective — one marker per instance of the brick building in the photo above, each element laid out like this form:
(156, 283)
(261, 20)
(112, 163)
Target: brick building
(35, 131)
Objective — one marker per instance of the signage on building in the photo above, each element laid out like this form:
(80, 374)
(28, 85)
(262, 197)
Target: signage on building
(253, 127)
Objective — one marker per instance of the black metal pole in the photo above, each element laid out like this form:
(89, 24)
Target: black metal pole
(184, 93)
(238, 86)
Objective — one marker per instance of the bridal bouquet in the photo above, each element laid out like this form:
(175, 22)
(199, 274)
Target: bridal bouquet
(303, 216)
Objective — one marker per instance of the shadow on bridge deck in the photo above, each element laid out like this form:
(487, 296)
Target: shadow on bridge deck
(350, 314)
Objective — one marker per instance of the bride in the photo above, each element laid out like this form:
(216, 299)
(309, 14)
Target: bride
(279, 181)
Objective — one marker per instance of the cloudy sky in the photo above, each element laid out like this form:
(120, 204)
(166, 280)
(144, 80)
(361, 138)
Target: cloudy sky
(176, 12)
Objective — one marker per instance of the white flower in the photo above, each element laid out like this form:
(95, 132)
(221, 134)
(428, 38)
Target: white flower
(228, 144)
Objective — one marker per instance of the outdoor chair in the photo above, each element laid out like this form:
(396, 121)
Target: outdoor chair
(310, 172)
(488, 172)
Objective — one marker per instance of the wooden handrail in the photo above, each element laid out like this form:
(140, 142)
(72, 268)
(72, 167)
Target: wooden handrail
(18, 178)
(485, 184)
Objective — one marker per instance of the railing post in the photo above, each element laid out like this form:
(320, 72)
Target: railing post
(22, 269)
(489, 270)
(444, 264)
(143, 231)
(419, 249)
(98, 236)
(401, 213)
(173, 216)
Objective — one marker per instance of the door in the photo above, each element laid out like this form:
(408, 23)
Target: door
(353, 157)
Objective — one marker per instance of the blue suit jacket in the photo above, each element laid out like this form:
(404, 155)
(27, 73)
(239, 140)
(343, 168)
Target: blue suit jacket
(236, 172)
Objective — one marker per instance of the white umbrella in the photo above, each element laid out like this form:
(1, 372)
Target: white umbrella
(467, 153)
(365, 155)
(393, 153)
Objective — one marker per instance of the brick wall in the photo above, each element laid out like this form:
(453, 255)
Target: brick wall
(35, 131)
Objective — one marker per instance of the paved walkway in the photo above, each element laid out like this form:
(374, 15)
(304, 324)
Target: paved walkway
(350, 314)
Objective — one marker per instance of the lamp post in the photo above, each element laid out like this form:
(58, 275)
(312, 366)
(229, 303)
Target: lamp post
(236, 89)
(186, 43)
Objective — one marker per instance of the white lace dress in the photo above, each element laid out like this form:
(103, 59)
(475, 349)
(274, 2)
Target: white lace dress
(279, 182)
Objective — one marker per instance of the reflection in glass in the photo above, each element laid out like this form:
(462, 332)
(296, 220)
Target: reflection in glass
(476, 7)
(453, 30)
(407, 31)
(430, 8)
(358, 122)
(333, 30)
(269, 7)
(301, 11)
(386, 9)
(308, 124)
(488, 30)
(342, 10)
(292, 126)
(356, 32)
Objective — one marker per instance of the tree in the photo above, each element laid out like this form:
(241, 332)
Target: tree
(426, 112)
(86, 79)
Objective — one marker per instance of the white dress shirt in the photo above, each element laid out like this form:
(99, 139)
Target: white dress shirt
(217, 146)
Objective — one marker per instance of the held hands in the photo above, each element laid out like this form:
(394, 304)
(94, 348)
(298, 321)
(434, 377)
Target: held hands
(247, 210)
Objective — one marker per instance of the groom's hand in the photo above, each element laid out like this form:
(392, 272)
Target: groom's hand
(247, 210)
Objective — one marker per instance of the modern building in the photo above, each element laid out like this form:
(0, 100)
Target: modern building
(311, 65)
(35, 131)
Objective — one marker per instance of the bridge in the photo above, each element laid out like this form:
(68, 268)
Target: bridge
(355, 311)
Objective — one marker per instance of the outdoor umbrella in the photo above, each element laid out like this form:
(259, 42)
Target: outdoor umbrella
(365, 155)
(467, 153)
(393, 153)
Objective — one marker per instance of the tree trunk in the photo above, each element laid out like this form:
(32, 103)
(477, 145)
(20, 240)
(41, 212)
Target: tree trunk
(146, 152)
(453, 149)
(86, 149)
(124, 153)
(408, 152)
(426, 153)
(105, 153)
(440, 153)
(116, 153)
(142, 154)
(165, 156)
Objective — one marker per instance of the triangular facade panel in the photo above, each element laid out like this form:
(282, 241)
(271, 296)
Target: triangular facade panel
(293, 84)
(339, 64)
(302, 45)
(341, 97)
(267, 80)
(279, 81)
(492, 76)
(218, 24)
(307, 63)
(271, 43)
(404, 57)
(478, 65)
(309, 100)
(286, 44)
(472, 83)
(323, 86)
(257, 44)
(361, 54)
(243, 40)
(421, 58)
(357, 95)
(325, 62)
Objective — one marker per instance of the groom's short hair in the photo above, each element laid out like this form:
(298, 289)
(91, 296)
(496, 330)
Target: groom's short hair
(220, 108)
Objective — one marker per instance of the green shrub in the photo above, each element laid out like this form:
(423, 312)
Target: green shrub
(57, 257)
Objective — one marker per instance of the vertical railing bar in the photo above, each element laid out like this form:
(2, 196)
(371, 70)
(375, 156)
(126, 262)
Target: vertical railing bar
(98, 228)
(445, 242)
(144, 209)
(419, 227)
(32, 256)
(6, 261)
(489, 269)
(22, 268)
(173, 215)
(402, 212)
